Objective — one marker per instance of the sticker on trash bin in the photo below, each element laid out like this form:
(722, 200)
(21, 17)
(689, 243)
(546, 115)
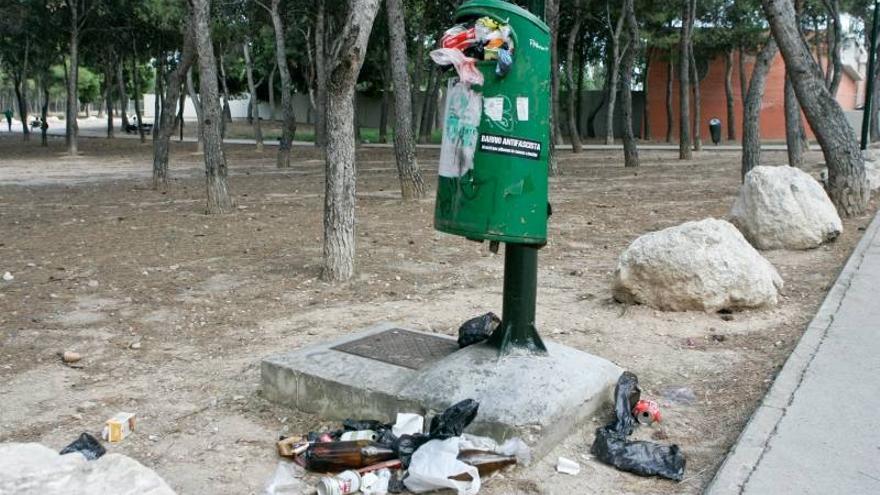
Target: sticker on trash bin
(522, 108)
(494, 108)
(505, 145)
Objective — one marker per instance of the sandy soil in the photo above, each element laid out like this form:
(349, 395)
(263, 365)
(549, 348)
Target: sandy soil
(101, 262)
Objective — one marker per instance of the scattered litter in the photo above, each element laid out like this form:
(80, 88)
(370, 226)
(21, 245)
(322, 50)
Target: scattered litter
(71, 357)
(8, 277)
(376, 483)
(642, 458)
(344, 483)
(647, 412)
(567, 466)
(453, 421)
(135, 345)
(286, 480)
(464, 66)
(464, 108)
(118, 427)
(513, 447)
(336, 456)
(353, 436)
(408, 424)
(292, 446)
(477, 329)
(435, 466)
(87, 445)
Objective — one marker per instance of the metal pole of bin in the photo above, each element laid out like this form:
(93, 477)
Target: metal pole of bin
(868, 109)
(517, 329)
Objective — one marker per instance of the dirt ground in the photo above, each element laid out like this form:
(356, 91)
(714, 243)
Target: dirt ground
(173, 310)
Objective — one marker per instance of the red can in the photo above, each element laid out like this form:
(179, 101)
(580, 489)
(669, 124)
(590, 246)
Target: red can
(647, 412)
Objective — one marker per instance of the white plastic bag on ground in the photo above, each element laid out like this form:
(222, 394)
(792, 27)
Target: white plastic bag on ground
(513, 447)
(434, 463)
(286, 480)
(464, 107)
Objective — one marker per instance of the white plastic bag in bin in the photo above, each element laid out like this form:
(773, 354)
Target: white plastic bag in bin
(464, 107)
(434, 463)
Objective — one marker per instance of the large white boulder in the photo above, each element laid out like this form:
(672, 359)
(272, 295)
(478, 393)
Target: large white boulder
(33, 469)
(706, 265)
(784, 208)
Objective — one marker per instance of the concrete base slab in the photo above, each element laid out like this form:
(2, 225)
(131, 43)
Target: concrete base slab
(537, 398)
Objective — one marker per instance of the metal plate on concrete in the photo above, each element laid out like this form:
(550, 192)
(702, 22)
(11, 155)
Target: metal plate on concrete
(401, 347)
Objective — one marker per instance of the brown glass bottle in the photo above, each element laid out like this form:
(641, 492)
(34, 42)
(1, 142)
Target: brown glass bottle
(337, 456)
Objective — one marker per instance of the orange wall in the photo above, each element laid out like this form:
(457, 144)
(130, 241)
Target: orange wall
(714, 100)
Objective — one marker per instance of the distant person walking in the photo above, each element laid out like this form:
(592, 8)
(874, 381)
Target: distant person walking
(8, 114)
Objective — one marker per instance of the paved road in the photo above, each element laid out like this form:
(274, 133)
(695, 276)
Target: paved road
(816, 431)
(94, 128)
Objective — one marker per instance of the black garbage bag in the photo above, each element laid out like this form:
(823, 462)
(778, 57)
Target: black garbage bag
(384, 435)
(477, 329)
(452, 421)
(87, 445)
(642, 458)
(406, 446)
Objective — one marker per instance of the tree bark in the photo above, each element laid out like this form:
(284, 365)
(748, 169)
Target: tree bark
(793, 127)
(847, 185)
(20, 83)
(159, 95)
(123, 96)
(698, 103)
(252, 89)
(288, 125)
(72, 128)
(630, 150)
(743, 78)
(751, 145)
(44, 109)
(340, 178)
(272, 92)
(320, 76)
(728, 93)
(197, 104)
(169, 107)
(613, 78)
(670, 116)
(108, 95)
(580, 92)
(684, 117)
(136, 82)
(412, 186)
(574, 137)
(182, 108)
(834, 32)
(215, 159)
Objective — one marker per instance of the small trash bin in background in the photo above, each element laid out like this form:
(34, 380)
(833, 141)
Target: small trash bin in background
(503, 197)
(715, 130)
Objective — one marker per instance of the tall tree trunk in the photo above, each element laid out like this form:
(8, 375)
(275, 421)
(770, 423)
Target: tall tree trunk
(670, 115)
(728, 94)
(20, 83)
(227, 112)
(123, 96)
(793, 127)
(428, 103)
(320, 76)
(254, 104)
(684, 117)
(197, 104)
(630, 150)
(272, 92)
(698, 103)
(136, 82)
(646, 112)
(574, 137)
(44, 108)
(215, 159)
(288, 126)
(181, 110)
(159, 95)
(108, 95)
(580, 92)
(412, 186)
(743, 77)
(551, 17)
(751, 145)
(416, 88)
(169, 107)
(847, 185)
(834, 31)
(340, 177)
(613, 78)
(72, 128)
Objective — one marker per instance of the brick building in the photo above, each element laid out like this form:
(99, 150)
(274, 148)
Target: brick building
(850, 94)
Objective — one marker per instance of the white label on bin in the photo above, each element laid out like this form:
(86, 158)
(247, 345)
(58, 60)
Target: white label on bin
(494, 108)
(522, 108)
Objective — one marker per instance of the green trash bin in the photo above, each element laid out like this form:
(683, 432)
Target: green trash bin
(504, 196)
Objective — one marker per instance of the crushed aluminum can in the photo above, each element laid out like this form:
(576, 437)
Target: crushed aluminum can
(647, 412)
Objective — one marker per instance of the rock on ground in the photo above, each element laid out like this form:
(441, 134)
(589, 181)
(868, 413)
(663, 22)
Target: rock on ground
(784, 208)
(706, 265)
(33, 469)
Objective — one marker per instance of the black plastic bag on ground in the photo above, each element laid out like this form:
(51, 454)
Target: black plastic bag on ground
(477, 329)
(87, 445)
(453, 421)
(642, 458)
(406, 445)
